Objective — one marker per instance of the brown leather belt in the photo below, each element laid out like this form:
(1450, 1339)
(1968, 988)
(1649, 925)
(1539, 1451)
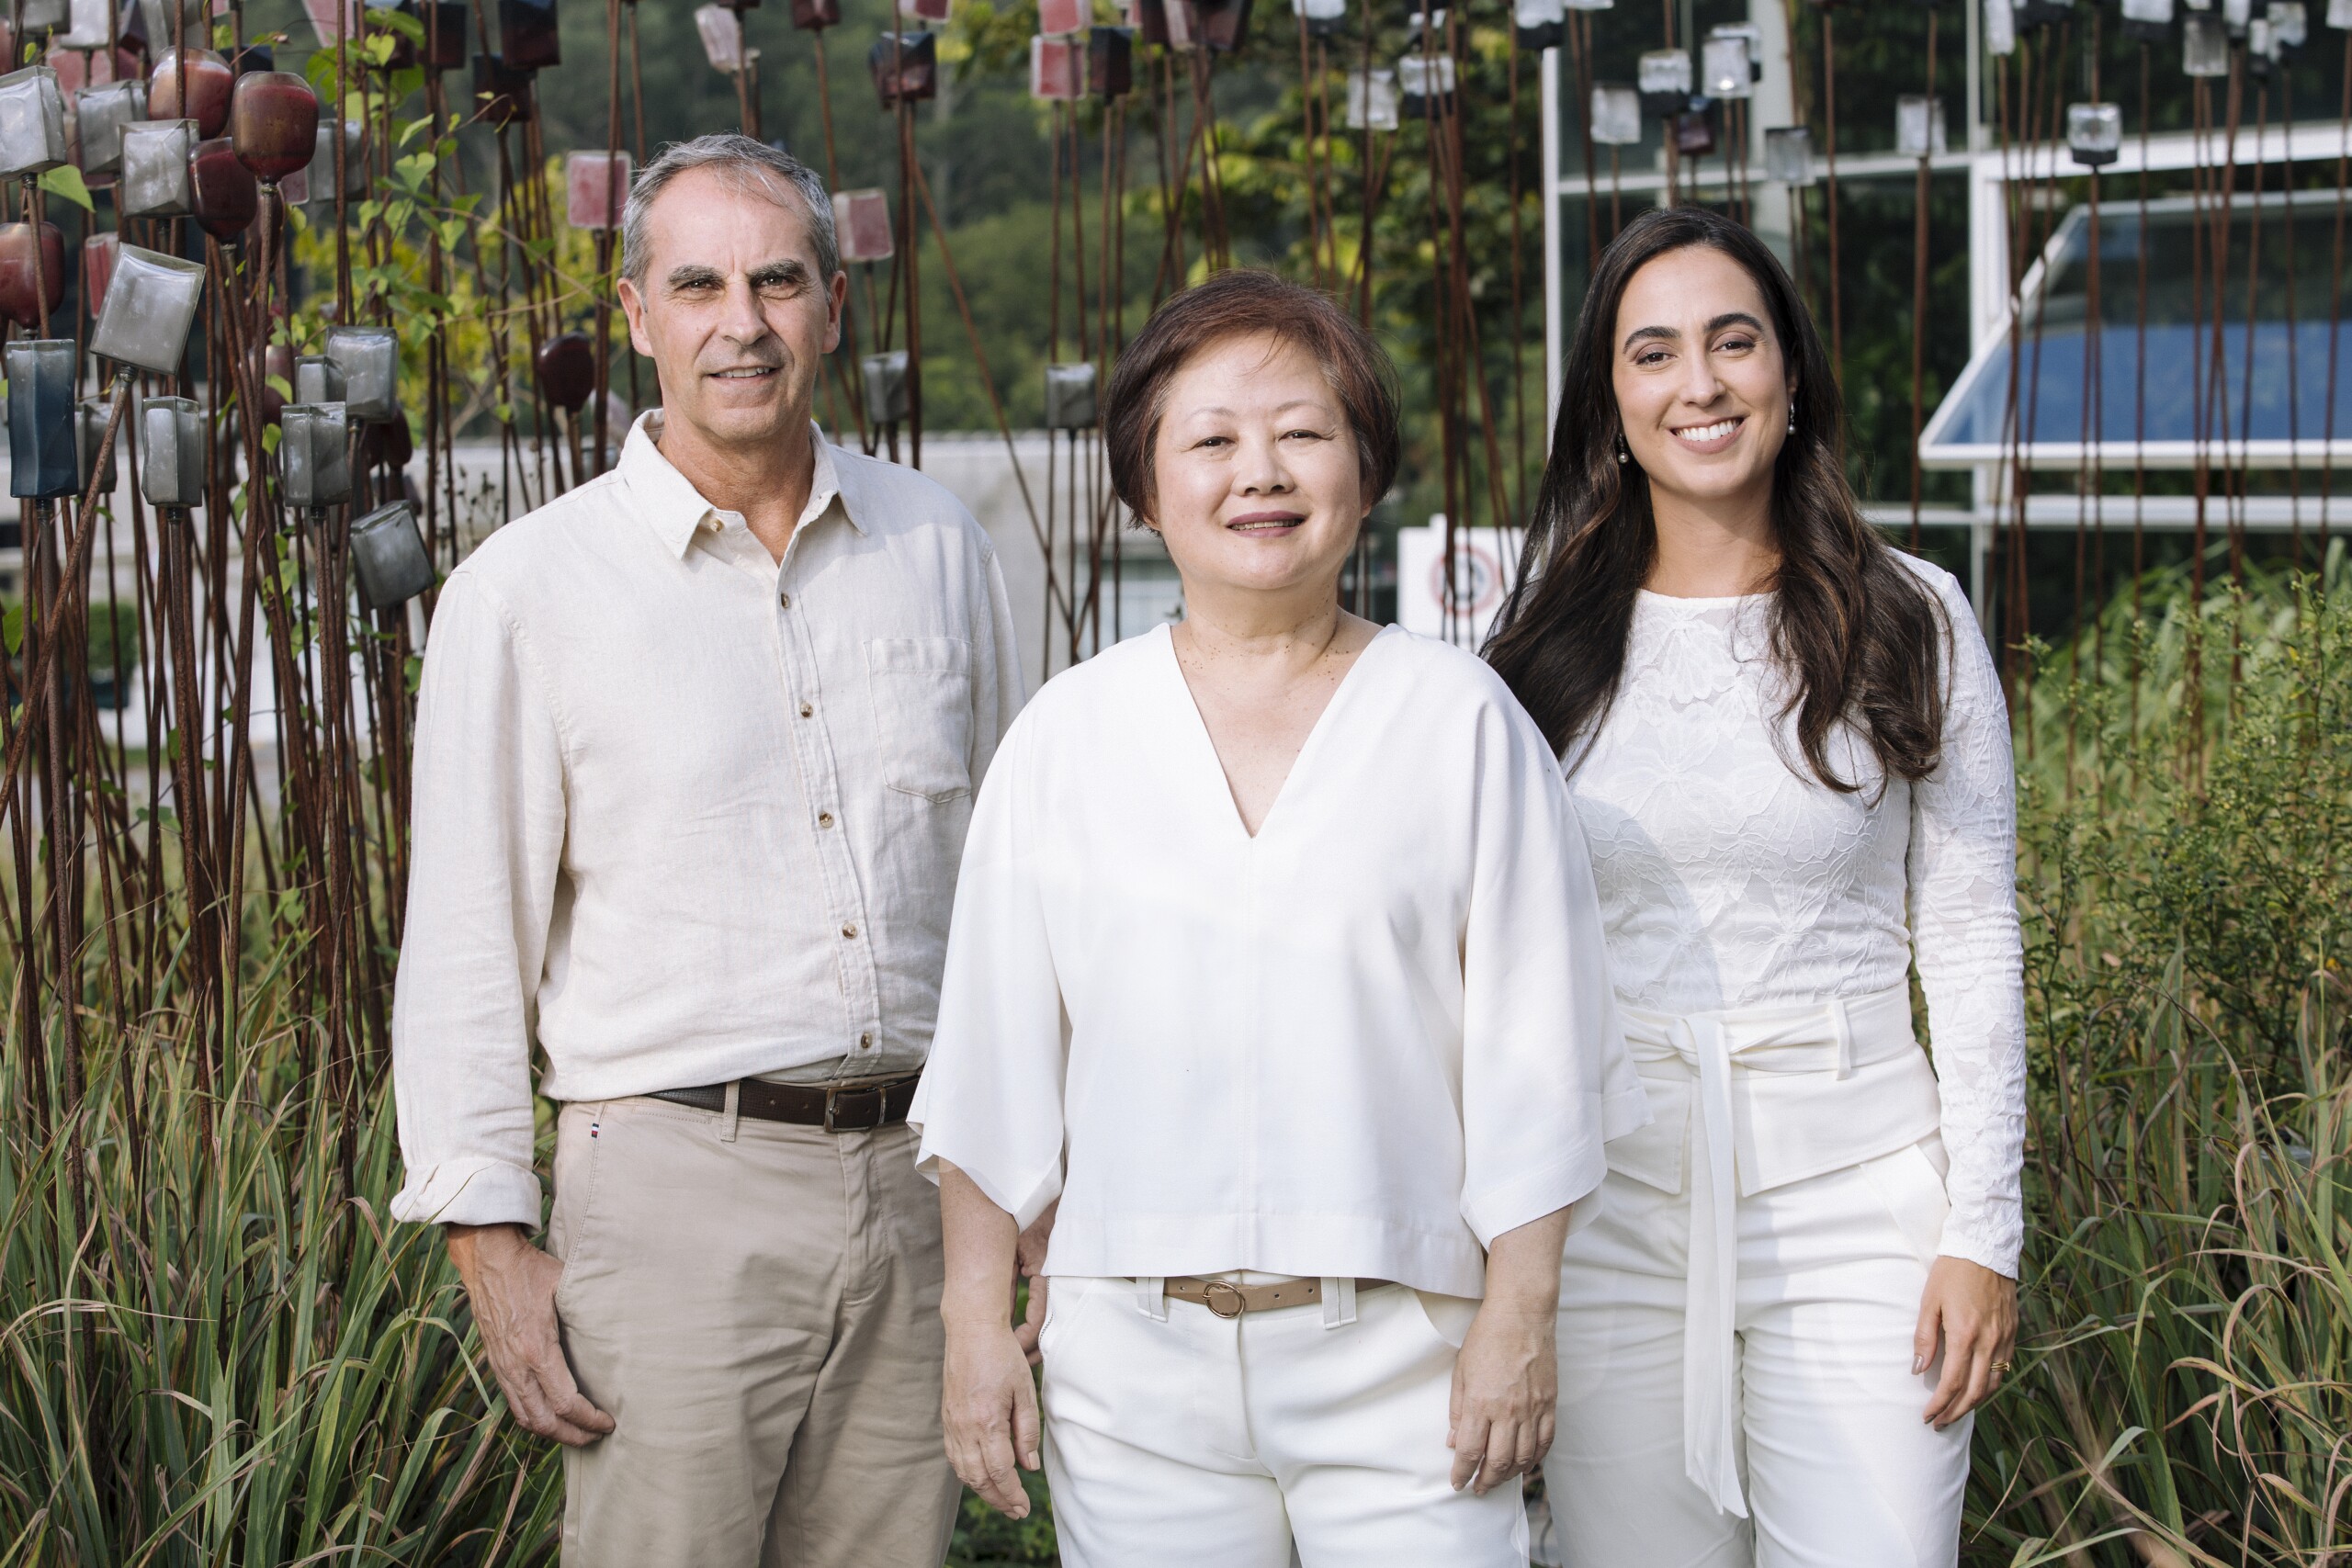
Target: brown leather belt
(1232, 1300)
(837, 1108)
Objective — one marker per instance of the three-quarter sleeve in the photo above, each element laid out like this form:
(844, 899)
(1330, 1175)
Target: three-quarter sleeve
(487, 833)
(991, 1102)
(1961, 869)
(1545, 1078)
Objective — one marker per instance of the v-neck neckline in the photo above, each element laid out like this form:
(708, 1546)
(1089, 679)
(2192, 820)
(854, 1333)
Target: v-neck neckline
(1306, 748)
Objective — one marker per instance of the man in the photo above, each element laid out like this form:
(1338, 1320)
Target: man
(696, 750)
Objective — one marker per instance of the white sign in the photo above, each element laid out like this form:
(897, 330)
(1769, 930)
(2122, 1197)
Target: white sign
(1485, 566)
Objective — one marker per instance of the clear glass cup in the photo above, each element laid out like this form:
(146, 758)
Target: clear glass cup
(32, 122)
(370, 360)
(42, 462)
(149, 308)
(388, 556)
(314, 453)
(171, 452)
(154, 169)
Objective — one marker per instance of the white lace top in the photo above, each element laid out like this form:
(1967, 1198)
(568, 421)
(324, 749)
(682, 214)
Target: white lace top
(1730, 878)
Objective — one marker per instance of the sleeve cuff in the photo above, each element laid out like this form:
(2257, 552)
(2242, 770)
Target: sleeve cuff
(1506, 1208)
(1022, 1196)
(2002, 1260)
(471, 1193)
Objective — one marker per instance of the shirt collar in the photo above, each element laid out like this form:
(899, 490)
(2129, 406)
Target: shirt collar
(676, 510)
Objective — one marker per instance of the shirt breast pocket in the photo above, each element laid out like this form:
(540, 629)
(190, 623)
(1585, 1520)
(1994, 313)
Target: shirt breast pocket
(923, 712)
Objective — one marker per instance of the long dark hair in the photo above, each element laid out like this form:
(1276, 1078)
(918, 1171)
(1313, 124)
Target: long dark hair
(1857, 630)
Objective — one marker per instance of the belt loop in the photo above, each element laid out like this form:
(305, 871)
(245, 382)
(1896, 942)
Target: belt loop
(1338, 1301)
(1151, 1297)
(1841, 1029)
(731, 1115)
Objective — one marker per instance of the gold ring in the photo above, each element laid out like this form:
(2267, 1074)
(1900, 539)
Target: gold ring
(2001, 1366)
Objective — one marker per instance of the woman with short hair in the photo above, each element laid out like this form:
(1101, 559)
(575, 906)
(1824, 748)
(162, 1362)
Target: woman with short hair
(1275, 962)
(1791, 752)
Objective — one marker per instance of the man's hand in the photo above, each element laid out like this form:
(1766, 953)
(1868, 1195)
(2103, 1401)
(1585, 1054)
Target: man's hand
(511, 1286)
(1973, 1312)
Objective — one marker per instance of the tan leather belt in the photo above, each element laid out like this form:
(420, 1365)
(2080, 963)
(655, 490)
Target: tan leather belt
(837, 1108)
(1232, 1300)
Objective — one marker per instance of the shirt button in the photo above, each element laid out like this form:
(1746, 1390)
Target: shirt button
(824, 820)
(866, 1043)
(850, 931)
(783, 601)
(808, 710)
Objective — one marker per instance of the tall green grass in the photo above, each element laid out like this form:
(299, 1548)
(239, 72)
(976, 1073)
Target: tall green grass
(2185, 1394)
(214, 1349)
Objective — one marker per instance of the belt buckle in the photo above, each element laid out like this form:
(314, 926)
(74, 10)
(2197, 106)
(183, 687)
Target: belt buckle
(1222, 1299)
(833, 1098)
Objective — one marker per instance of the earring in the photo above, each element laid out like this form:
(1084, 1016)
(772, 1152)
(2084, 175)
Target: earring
(1622, 454)
(1793, 419)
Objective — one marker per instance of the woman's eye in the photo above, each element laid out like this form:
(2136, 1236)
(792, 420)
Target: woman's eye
(1650, 356)
(1737, 344)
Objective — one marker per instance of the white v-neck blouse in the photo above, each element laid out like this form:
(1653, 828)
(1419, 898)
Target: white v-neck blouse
(1365, 1042)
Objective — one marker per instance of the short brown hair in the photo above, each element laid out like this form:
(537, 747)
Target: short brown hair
(1243, 303)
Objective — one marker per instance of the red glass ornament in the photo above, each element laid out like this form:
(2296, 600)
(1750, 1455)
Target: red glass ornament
(71, 73)
(568, 370)
(98, 254)
(208, 83)
(278, 365)
(17, 296)
(226, 197)
(274, 123)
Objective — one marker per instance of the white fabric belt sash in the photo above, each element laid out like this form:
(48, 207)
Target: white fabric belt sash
(1782, 1093)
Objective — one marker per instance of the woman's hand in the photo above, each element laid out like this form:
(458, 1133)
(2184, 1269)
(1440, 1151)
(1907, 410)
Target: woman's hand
(988, 1405)
(1973, 1312)
(1505, 1389)
(990, 1411)
(1506, 1379)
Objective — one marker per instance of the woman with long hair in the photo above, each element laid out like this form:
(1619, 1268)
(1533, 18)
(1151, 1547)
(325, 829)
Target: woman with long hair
(1791, 752)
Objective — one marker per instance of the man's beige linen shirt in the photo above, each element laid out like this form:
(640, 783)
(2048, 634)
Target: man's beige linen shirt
(682, 813)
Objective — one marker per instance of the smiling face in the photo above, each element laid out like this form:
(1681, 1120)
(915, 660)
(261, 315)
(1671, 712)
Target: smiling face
(1701, 381)
(731, 310)
(1256, 488)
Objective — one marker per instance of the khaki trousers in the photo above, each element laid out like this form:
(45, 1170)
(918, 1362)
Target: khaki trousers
(757, 1307)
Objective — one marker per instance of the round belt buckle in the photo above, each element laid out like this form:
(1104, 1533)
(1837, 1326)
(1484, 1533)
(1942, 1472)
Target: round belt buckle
(1222, 1299)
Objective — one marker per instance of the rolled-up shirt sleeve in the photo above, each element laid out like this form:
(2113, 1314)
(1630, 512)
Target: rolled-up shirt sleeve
(487, 833)
(1545, 1078)
(990, 1104)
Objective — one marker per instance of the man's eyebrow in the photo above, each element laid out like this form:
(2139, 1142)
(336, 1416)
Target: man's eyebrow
(688, 275)
(792, 269)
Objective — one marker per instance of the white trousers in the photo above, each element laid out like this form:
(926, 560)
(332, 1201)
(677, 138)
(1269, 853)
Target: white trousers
(1177, 1437)
(1837, 1468)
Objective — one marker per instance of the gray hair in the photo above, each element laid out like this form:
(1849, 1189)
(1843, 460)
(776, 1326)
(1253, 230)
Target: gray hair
(749, 166)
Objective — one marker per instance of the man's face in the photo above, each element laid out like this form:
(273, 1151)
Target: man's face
(733, 311)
